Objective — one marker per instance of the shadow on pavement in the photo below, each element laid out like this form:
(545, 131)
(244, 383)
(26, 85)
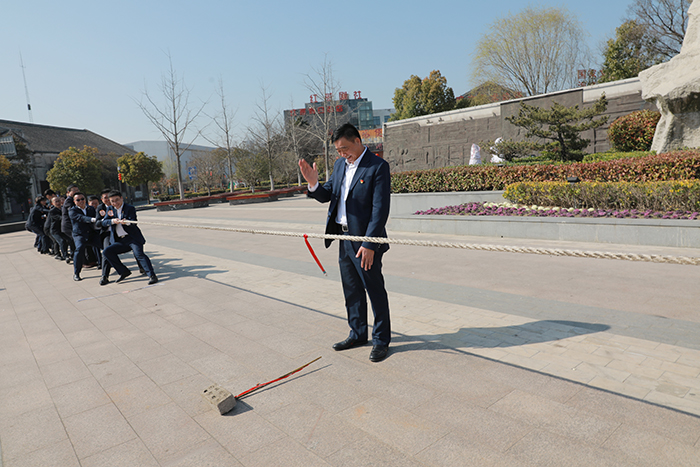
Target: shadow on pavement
(506, 336)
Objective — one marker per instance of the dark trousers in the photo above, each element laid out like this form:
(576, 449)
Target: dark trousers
(41, 243)
(356, 281)
(106, 267)
(123, 245)
(81, 244)
(62, 249)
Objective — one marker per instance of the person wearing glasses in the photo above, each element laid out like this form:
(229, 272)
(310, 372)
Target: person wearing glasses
(82, 218)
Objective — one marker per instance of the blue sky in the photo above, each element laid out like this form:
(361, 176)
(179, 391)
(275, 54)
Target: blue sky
(86, 62)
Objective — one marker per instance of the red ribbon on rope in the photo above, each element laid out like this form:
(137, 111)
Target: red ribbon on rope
(262, 385)
(311, 250)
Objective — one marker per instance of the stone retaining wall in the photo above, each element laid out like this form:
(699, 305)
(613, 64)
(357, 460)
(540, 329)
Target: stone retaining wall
(445, 139)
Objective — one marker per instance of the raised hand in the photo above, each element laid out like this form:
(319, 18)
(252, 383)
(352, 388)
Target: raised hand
(309, 173)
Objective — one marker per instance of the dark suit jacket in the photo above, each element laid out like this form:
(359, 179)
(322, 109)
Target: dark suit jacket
(133, 231)
(367, 205)
(82, 223)
(104, 231)
(54, 220)
(66, 227)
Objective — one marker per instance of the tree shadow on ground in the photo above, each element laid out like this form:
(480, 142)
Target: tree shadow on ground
(505, 336)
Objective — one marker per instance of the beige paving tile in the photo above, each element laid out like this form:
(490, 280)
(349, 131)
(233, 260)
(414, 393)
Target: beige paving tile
(167, 431)
(79, 396)
(651, 449)
(63, 372)
(136, 396)
(635, 369)
(60, 454)
(683, 370)
(555, 417)
(396, 427)
(132, 452)
(319, 431)
(187, 393)
(454, 449)
(96, 430)
(371, 450)
(241, 431)
(668, 400)
(31, 431)
(283, 452)
(618, 387)
(542, 447)
(208, 453)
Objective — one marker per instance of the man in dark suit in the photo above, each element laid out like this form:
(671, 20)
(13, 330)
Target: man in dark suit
(82, 218)
(106, 236)
(359, 193)
(124, 237)
(54, 220)
(66, 227)
(35, 224)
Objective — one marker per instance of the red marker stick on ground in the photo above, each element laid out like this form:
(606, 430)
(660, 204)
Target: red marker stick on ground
(311, 250)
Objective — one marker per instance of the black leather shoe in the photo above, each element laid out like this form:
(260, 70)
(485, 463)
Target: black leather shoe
(349, 343)
(104, 281)
(124, 276)
(76, 277)
(142, 271)
(153, 280)
(379, 353)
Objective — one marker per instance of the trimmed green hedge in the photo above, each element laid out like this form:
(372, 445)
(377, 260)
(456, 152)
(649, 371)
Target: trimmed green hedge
(683, 195)
(612, 155)
(678, 165)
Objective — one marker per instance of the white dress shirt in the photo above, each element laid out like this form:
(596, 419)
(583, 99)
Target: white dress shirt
(120, 228)
(350, 169)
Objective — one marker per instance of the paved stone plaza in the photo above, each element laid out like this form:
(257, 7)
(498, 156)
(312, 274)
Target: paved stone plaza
(498, 359)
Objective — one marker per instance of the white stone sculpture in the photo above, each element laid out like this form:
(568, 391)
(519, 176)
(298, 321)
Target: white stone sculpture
(675, 87)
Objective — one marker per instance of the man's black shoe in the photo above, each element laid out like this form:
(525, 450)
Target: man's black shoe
(153, 280)
(142, 271)
(104, 281)
(379, 353)
(349, 343)
(69, 260)
(124, 276)
(60, 258)
(77, 278)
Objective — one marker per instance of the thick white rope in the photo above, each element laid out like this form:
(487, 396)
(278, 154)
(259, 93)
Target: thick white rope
(689, 260)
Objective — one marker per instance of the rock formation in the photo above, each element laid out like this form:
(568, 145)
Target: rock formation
(675, 87)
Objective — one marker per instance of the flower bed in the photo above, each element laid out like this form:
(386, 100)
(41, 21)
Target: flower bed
(182, 204)
(508, 209)
(252, 198)
(678, 165)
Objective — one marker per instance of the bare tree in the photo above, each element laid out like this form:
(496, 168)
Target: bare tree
(174, 117)
(665, 21)
(266, 131)
(323, 88)
(224, 122)
(210, 170)
(297, 140)
(536, 51)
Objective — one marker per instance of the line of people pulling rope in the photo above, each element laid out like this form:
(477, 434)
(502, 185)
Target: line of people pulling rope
(89, 233)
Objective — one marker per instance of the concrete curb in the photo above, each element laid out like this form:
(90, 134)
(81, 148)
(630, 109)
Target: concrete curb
(651, 232)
